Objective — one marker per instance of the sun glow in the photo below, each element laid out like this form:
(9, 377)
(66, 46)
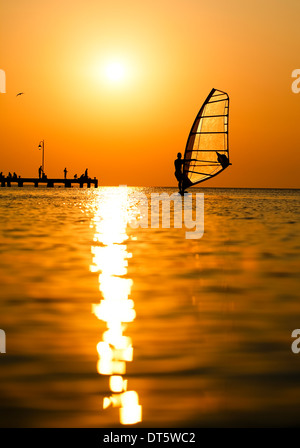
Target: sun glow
(116, 72)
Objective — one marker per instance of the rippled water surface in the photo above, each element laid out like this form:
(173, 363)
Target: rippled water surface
(160, 330)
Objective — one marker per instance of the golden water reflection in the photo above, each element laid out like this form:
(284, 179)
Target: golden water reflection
(110, 259)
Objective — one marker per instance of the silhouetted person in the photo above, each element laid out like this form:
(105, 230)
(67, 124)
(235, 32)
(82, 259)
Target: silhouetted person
(223, 160)
(40, 172)
(179, 162)
(86, 173)
(75, 176)
(15, 175)
(65, 172)
(9, 175)
(44, 177)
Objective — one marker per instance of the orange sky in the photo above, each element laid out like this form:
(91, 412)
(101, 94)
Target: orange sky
(174, 52)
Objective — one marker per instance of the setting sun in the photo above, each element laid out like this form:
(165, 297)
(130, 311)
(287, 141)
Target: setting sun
(116, 71)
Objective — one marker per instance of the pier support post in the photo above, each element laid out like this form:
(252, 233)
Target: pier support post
(36, 184)
(50, 184)
(81, 185)
(3, 183)
(20, 183)
(8, 183)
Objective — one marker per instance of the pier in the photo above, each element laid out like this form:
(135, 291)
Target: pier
(8, 181)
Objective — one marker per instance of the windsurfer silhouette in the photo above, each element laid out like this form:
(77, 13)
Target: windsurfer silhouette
(179, 162)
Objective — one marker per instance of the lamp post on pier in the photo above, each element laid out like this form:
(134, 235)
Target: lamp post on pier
(42, 146)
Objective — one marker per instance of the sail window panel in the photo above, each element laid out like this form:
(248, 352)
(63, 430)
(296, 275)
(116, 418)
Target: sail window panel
(200, 170)
(215, 108)
(217, 100)
(209, 142)
(194, 178)
(212, 125)
(199, 176)
(218, 96)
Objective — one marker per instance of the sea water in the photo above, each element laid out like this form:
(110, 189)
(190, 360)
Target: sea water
(208, 321)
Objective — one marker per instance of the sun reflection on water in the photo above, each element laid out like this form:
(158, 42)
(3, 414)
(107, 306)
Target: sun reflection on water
(110, 259)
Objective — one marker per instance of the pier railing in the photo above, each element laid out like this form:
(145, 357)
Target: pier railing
(8, 181)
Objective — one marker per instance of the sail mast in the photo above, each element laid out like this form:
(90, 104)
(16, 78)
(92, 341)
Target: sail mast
(207, 144)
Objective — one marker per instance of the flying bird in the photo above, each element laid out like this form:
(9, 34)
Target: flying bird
(21, 93)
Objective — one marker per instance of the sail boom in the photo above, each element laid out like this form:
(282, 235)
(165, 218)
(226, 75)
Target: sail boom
(197, 172)
(206, 164)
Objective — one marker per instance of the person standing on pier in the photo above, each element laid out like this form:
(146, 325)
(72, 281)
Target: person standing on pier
(65, 172)
(40, 172)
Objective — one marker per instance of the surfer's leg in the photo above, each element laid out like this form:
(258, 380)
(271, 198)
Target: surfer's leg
(180, 185)
(179, 177)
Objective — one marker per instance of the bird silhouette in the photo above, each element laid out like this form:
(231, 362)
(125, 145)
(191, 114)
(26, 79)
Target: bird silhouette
(21, 93)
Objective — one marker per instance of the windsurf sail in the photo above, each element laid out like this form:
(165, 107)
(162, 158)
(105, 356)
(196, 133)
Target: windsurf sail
(206, 153)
